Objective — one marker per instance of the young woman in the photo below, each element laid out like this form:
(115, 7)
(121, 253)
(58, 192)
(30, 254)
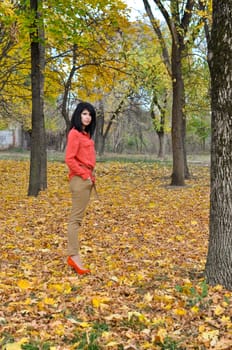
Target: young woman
(81, 159)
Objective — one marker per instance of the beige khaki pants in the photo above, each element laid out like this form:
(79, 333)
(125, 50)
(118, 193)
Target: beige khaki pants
(80, 191)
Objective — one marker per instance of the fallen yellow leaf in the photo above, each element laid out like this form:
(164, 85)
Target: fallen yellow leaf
(23, 284)
(219, 310)
(180, 312)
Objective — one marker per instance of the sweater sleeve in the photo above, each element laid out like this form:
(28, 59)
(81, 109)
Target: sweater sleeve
(73, 145)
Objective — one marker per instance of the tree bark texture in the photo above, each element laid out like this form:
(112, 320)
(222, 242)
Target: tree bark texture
(177, 117)
(38, 157)
(219, 259)
(161, 151)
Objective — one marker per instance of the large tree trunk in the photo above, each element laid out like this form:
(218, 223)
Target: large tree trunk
(38, 158)
(177, 118)
(219, 260)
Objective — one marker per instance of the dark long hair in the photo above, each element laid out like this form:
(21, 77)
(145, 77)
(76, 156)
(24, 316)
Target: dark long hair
(76, 118)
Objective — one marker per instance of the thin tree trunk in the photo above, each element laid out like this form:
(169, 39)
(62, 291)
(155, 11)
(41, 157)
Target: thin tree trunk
(178, 26)
(67, 89)
(161, 152)
(159, 125)
(219, 260)
(177, 118)
(99, 137)
(38, 156)
(186, 168)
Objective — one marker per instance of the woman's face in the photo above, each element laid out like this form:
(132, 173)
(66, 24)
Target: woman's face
(85, 118)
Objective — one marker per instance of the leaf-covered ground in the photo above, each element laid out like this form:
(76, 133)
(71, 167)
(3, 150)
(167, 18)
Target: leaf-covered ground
(146, 245)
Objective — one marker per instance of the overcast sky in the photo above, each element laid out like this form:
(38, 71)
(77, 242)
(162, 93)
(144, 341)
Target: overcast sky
(137, 9)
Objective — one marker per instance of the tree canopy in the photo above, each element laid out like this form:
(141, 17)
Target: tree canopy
(94, 51)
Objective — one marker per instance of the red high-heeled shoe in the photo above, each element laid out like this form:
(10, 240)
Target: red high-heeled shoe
(77, 268)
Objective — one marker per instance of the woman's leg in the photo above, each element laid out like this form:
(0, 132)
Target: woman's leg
(80, 190)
